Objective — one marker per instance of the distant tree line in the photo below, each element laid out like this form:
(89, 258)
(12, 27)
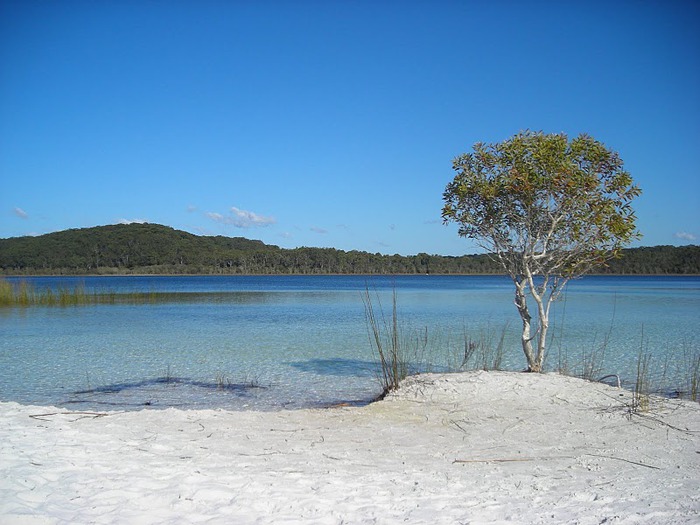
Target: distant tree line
(156, 249)
(656, 260)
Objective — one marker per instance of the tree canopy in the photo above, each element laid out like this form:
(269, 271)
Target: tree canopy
(152, 248)
(548, 209)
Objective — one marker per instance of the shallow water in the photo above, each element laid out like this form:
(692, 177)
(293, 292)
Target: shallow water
(269, 342)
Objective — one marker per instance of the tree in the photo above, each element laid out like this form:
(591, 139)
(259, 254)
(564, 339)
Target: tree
(547, 210)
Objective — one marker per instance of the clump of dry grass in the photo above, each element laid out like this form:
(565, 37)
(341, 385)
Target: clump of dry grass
(690, 363)
(483, 351)
(694, 377)
(640, 396)
(386, 341)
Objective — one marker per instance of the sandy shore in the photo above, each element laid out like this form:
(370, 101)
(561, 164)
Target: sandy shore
(464, 448)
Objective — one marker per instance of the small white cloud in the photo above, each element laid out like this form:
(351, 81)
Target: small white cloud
(216, 217)
(242, 219)
(191, 209)
(19, 212)
(132, 221)
(246, 219)
(316, 229)
(685, 236)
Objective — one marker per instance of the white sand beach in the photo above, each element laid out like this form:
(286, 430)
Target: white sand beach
(477, 447)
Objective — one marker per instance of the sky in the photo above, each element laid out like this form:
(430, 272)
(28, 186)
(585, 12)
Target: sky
(330, 123)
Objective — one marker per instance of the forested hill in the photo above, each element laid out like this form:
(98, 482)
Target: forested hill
(152, 248)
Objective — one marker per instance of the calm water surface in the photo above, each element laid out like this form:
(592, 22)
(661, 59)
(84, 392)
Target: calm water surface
(274, 342)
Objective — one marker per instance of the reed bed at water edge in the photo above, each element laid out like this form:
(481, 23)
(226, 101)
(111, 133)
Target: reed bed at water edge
(24, 294)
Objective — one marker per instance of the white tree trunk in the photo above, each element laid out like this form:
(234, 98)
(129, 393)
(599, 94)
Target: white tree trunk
(526, 337)
(543, 326)
(535, 358)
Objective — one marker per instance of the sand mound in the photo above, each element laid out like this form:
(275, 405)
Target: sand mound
(475, 447)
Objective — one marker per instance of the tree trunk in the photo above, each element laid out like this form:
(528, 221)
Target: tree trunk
(533, 364)
(541, 342)
(542, 327)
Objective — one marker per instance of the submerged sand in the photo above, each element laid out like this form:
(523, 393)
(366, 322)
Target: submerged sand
(477, 447)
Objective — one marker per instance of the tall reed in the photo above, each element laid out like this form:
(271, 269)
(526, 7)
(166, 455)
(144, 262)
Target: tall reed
(385, 339)
(7, 293)
(24, 294)
(640, 396)
(690, 363)
(694, 378)
(483, 351)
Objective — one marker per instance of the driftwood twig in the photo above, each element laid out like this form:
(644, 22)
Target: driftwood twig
(625, 460)
(501, 460)
(516, 460)
(82, 415)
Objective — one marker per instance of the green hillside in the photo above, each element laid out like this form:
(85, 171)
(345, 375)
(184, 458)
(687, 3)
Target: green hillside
(152, 248)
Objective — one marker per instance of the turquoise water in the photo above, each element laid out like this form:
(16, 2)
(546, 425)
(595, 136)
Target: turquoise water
(271, 342)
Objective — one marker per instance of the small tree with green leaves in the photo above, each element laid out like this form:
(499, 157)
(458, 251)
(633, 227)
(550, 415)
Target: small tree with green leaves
(548, 210)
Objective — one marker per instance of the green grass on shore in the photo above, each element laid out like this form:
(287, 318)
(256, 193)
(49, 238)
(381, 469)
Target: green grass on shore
(24, 294)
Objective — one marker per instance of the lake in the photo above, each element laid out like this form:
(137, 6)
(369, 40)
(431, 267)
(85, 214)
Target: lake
(273, 342)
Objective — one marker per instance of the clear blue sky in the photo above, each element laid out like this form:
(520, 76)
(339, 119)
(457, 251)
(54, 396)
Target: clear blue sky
(330, 123)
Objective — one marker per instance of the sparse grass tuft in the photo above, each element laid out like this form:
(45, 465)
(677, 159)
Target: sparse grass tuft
(222, 381)
(640, 396)
(386, 341)
(592, 361)
(691, 371)
(694, 378)
(483, 352)
(252, 381)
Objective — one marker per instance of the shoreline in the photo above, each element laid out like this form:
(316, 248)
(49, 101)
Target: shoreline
(488, 447)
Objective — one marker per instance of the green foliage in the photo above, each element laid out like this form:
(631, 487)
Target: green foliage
(548, 209)
(151, 249)
(122, 247)
(656, 260)
(559, 206)
(155, 249)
